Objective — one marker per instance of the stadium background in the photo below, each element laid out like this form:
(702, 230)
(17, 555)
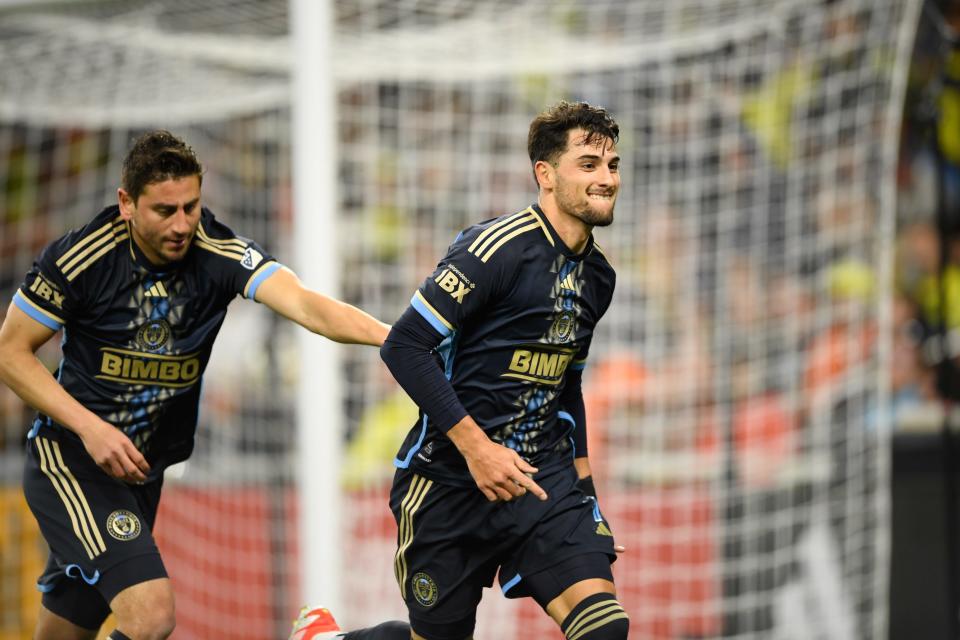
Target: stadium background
(777, 242)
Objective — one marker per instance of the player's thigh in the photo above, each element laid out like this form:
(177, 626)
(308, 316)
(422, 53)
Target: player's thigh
(145, 607)
(51, 626)
(71, 600)
(97, 528)
(446, 554)
(561, 606)
(568, 544)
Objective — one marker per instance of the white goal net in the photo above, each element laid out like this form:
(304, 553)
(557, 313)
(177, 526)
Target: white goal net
(735, 392)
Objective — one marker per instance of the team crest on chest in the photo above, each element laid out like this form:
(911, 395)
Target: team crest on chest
(153, 335)
(562, 328)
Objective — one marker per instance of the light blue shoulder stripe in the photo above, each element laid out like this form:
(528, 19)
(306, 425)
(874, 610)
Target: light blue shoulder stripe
(266, 273)
(435, 321)
(35, 313)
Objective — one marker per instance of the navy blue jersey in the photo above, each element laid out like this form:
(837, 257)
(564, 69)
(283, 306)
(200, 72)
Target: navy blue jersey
(517, 310)
(136, 337)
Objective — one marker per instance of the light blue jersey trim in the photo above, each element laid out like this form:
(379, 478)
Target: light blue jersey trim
(91, 580)
(266, 273)
(563, 415)
(35, 429)
(447, 348)
(45, 588)
(511, 584)
(403, 464)
(578, 366)
(31, 311)
(597, 516)
(430, 317)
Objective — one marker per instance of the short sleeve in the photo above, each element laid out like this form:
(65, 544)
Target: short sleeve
(243, 265)
(46, 295)
(460, 286)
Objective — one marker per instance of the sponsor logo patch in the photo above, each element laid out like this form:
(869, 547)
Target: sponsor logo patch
(545, 367)
(134, 367)
(47, 290)
(454, 282)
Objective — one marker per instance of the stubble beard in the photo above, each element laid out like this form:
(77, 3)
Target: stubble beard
(586, 212)
(595, 218)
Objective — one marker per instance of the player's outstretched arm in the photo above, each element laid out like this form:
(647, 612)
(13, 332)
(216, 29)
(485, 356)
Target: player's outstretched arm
(341, 322)
(111, 449)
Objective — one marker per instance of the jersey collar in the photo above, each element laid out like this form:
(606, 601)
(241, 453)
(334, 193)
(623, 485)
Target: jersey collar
(554, 238)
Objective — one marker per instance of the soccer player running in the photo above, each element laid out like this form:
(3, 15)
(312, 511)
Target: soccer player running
(492, 349)
(140, 292)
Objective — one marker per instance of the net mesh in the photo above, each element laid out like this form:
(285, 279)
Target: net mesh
(735, 389)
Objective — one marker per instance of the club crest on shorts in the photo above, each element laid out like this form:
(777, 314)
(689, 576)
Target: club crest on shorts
(424, 589)
(123, 525)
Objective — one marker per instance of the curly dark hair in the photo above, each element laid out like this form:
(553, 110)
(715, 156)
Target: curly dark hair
(157, 156)
(548, 131)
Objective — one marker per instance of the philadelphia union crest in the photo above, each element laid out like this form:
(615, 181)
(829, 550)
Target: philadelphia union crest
(153, 335)
(562, 329)
(424, 589)
(123, 525)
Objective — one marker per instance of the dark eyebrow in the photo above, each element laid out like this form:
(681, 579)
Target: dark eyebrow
(164, 207)
(594, 157)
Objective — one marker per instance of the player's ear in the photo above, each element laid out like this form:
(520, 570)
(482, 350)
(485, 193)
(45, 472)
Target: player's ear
(545, 174)
(126, 204)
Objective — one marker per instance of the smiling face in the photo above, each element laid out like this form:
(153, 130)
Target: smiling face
(584, 180)
(164, 218)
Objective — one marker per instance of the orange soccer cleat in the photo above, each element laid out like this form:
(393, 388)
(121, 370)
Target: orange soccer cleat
(314, 623)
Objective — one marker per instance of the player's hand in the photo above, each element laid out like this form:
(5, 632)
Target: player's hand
(114, 452)
(501, 474)
(619, 548)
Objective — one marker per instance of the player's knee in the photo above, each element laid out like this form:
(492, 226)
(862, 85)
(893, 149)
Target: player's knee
(597, 617)
(156, 623)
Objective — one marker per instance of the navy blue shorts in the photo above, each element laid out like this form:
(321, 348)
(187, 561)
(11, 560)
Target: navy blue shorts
(452, 542)
(98, 529)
